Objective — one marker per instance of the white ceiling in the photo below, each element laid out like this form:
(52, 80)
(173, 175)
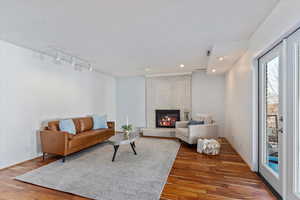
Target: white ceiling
(124, 37)
(229, 52)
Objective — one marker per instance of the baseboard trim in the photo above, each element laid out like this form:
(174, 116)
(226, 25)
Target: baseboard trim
(37, 157)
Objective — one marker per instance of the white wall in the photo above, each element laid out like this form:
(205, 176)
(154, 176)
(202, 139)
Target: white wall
(34, 89)
(238, 108)
(131, 101)
(208, 97)
(238, 112)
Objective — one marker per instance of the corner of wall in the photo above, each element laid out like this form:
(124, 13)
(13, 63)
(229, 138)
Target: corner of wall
(238, 108)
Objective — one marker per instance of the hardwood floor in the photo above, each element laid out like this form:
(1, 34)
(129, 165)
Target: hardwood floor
(193, 177)
(11, 189)
(200, 177)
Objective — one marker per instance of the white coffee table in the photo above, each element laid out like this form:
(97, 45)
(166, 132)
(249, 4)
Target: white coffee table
(121, 139)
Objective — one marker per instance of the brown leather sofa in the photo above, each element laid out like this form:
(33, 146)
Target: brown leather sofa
(61, 143)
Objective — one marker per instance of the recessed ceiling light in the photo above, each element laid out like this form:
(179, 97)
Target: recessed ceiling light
(182, 65)
(213, 70)
(221, 58)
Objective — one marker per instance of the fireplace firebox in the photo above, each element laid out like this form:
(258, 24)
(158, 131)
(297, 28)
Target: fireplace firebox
(167, 118)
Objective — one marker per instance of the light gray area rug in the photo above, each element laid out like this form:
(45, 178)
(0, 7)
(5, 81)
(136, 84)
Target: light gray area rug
(92, 174)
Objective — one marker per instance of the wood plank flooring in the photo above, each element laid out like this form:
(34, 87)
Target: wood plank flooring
(200, 177)
(193, 177)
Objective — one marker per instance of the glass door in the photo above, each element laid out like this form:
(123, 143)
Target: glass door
(270, 117)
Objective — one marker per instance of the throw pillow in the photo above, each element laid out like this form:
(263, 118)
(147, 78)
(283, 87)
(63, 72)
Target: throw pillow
(99, 121)
(67, 125)
(193, 122)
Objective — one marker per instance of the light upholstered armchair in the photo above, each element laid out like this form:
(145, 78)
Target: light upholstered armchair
(191, 133)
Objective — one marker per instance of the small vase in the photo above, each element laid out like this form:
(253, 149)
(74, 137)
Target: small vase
(126, 134)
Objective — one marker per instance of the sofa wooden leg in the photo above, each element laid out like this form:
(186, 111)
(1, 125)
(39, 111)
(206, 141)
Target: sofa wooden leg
(64, 159)
(44, 154)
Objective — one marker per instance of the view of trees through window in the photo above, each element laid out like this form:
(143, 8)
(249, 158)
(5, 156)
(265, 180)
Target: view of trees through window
(272, 112)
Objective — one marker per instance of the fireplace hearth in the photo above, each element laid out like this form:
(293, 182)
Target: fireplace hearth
(167, 118)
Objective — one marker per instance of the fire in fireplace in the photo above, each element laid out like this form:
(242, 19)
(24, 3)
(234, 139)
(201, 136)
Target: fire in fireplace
(167, 118)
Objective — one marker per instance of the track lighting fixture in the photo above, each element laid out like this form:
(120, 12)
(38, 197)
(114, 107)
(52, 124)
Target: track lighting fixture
(59, 56)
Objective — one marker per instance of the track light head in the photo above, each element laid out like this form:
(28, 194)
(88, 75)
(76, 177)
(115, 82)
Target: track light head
(73, 63)
(57, 58)
(91, 68)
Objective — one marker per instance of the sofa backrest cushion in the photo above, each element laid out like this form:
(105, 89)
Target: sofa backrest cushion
(81, 124)
(86, 124)
(77, 124)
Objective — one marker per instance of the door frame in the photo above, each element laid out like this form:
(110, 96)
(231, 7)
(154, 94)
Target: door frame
(269, 174)
(256, 114)
(255, 105)
(293, 56)
(255, 91)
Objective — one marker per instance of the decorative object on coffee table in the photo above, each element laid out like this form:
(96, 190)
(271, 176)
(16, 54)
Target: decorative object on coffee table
(119, 139)
(127, 128)
(208, 146)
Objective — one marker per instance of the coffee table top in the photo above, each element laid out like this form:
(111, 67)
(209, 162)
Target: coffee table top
(120, 138)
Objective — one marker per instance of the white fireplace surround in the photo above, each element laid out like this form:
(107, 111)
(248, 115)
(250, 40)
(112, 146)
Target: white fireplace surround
(167, 92)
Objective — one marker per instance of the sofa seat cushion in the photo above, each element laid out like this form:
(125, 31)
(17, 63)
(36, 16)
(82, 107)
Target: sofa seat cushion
(89, 133)
(86, 137)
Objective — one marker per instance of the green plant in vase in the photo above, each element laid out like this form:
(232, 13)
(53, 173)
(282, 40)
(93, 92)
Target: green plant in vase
(127, 129)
